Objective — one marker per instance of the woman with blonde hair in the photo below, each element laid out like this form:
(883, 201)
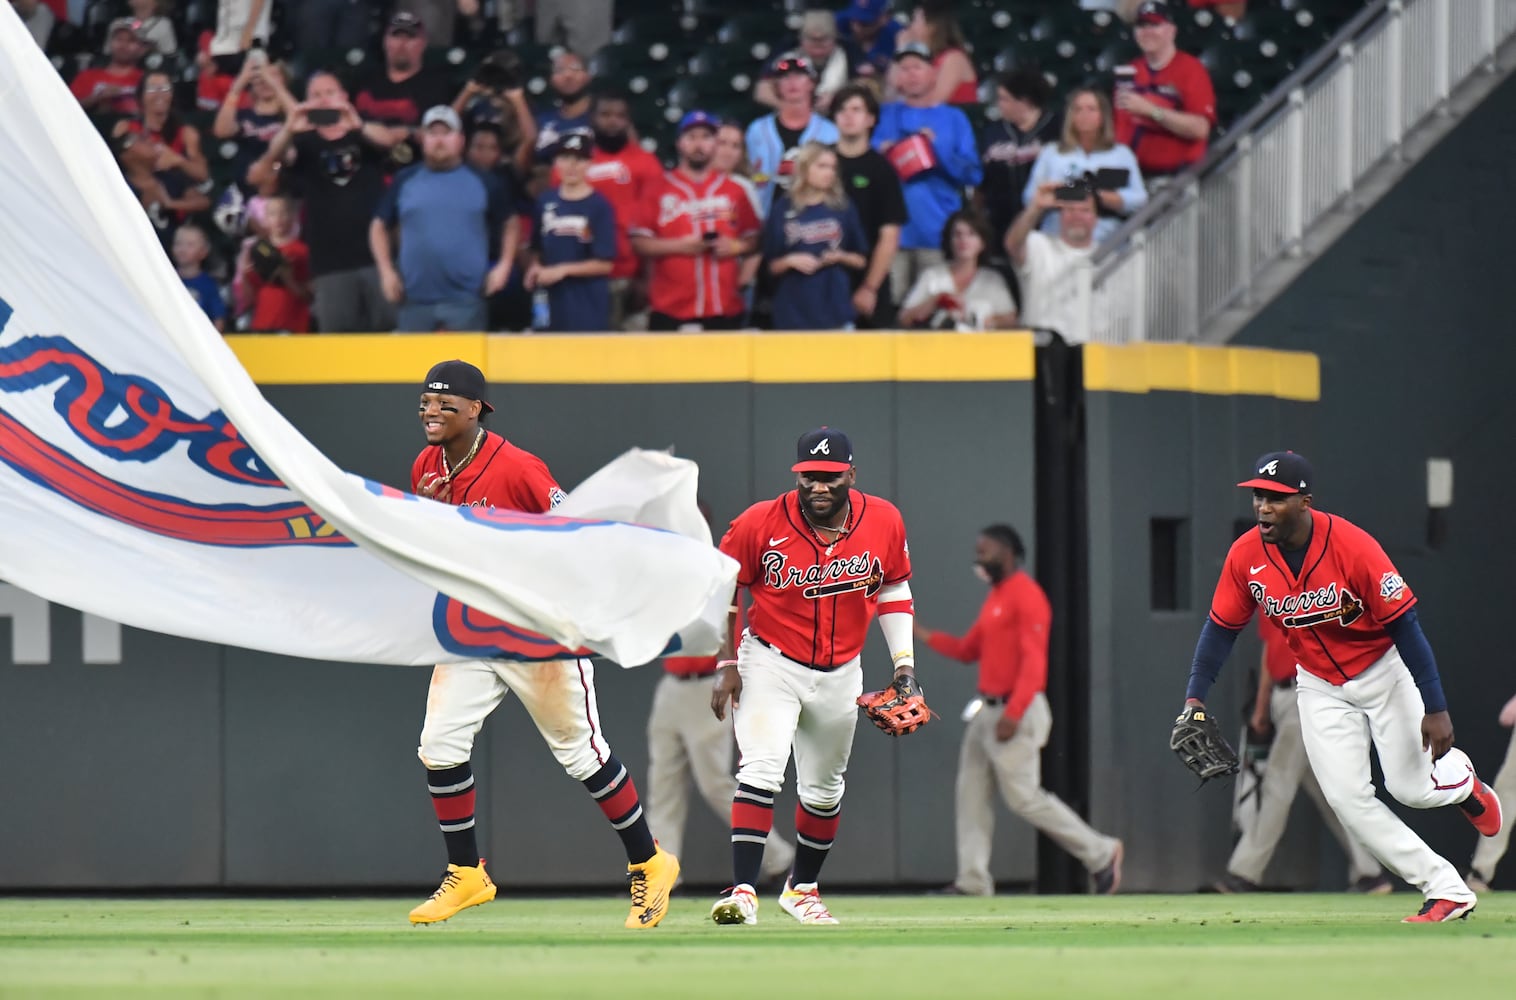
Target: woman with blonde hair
(811, 239)
(1088, 150)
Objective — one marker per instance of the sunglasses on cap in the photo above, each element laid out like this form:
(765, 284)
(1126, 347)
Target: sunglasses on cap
(794, 64)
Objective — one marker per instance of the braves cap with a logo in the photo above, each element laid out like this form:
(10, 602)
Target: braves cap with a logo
(459, 378)
(824, 449)
(1280, 472)
(1154, 12)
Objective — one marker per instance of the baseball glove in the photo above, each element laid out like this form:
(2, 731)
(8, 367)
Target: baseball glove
(899, 709)
(1199, 743)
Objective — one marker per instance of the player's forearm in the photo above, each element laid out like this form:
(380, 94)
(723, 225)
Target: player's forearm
(728, 650)
(1211, 651)
(897, 620)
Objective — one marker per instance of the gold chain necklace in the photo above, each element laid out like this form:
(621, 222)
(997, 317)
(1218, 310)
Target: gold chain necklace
(449, 473)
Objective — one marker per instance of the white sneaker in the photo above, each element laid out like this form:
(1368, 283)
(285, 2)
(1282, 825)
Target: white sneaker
(738, 906)
(803, 902)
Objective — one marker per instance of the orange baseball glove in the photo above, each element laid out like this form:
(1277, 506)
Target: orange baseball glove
(898, 709)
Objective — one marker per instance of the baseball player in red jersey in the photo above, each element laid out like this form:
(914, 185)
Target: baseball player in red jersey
(1003, 747)
(1366, 671)
(819, 562)
(465, 464)
(696, 227)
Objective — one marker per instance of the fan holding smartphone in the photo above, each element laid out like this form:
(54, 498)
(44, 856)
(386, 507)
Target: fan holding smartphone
(1088, 150)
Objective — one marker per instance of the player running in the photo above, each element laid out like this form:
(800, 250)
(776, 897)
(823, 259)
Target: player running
(465, 464)
(1366, 671)
(819, 562)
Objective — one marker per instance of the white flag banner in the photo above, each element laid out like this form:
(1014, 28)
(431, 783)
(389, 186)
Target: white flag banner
(143, 477)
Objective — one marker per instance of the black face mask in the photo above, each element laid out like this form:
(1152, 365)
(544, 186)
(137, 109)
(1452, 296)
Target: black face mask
(992, 570)
(612, 143)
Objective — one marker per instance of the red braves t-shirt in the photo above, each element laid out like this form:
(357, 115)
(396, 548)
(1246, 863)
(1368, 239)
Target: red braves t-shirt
(275, 307)
(1333, 615)
(677, 207)
(813, 601)
(501, 475)
(90, 80)
(1182, 85)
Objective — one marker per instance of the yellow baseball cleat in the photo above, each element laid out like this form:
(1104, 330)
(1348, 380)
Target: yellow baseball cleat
(461, 888)
(651, 883)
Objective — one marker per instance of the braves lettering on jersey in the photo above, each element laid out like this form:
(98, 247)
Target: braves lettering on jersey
(501, 475)
(687, 287)
(1333, 615)
(812, 601)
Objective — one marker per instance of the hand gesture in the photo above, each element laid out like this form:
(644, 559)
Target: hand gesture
(1047, 195)
(1437, 733)
(299, 120)
(434, 486)
(728, 685)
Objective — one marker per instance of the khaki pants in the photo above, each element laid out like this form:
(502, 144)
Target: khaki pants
(686, 742)
(1287, 770)
(1487, 855)
(1015, 767)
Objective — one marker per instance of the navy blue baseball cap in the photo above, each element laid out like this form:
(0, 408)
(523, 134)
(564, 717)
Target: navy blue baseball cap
(824, 449)
(1280, 472)
(698, 119)
(867, 11)
(459, 378)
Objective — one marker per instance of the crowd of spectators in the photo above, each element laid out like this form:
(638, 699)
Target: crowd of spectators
(404, 199)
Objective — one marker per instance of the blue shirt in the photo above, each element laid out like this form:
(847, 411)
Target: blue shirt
(933, 195)
(450, 224)
(820, 301)
(1055, 165)
(772, 162)
(566, 232)
(553, 125)
(881, 52)
(207, 295)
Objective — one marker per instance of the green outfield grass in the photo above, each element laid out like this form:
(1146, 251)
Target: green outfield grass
(1273, 947)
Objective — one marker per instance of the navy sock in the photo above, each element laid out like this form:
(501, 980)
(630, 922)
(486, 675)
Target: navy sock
(616, 796)
(752, 818)
(452, 791)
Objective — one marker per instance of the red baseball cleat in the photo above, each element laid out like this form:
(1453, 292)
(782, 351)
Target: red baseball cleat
(1437, 911)
(1482, 808)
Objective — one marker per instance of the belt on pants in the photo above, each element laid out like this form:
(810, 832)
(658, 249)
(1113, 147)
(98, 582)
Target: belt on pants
(994, 699)
(702, 676)
(1288, 682)
(818, 667)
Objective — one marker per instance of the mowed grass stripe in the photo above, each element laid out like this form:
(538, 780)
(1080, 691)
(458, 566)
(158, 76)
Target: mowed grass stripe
(1280, 947)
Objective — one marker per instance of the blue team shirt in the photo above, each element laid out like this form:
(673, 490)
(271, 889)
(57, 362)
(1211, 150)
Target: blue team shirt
(820, 301)
(207, 295)
(450, 223)
(932, 196)
(565, 232)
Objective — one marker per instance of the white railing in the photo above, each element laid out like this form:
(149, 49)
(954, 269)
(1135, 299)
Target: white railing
(1198, 248)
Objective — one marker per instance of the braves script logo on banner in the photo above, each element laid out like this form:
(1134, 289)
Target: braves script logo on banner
(129, 419)
(1311, 608)
(840, 576)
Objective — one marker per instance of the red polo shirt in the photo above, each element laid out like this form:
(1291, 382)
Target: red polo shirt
(1009, 640)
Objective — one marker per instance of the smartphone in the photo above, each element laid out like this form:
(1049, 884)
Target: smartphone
(256, 57)
(324, 116)
(1111, 178)
(1072, 192)
(710, 237)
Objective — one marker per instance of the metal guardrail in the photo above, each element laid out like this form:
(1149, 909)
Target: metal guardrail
(1197, 249)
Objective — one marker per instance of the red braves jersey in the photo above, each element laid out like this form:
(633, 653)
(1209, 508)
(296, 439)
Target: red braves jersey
(1333, 615)
(501, 475)
(626, 180)
(677, 208)
(1009, 640)
(811, 601)
(1182, 85)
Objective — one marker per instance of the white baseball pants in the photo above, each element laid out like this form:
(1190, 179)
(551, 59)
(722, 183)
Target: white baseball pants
(559, 695)
(785, 706)
(1287, 770)
(685, 743)
(1382, 704)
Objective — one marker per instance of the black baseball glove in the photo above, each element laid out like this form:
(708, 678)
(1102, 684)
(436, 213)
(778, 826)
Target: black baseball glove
(1199, 743)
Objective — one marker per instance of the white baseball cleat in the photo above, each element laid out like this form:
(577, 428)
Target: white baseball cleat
(803, 902)
(738, 906)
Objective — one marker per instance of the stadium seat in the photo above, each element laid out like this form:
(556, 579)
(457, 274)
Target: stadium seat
(755, 27)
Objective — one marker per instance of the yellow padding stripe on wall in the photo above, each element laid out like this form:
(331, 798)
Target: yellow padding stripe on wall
(645, 359)
(1218, 371)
